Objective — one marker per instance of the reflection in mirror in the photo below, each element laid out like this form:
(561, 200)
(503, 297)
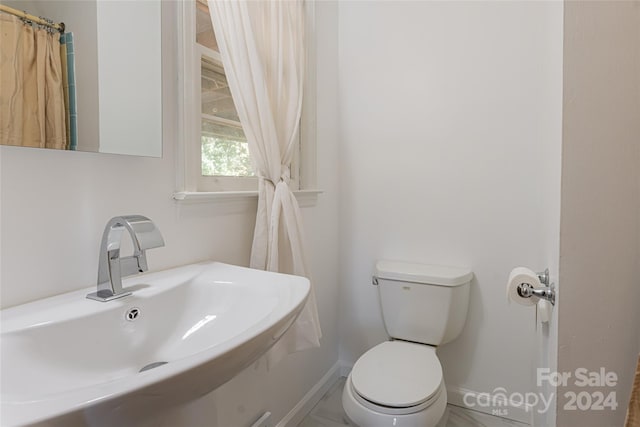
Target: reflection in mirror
(101, 88)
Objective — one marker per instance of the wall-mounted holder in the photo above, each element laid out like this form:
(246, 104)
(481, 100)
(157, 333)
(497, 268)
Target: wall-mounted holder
(526, 290)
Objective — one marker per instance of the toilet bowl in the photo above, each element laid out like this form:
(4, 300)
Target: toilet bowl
(397, 384)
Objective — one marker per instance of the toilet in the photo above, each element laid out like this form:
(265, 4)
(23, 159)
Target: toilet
(399, 383)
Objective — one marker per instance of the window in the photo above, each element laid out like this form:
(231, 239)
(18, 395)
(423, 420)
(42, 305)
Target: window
(221, 148)
(216, 153)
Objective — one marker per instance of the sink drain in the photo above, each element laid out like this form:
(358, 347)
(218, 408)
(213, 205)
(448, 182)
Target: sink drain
(132, 314)
(152, 365)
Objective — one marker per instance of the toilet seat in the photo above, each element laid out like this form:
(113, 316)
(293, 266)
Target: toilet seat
(388, 410)
(397, 377)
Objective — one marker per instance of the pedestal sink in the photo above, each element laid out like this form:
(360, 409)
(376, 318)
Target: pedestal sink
(182, 333)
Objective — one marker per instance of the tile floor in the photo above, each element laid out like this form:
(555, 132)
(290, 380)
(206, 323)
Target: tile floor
(329, 413)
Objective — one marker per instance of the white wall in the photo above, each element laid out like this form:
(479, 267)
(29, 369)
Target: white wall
(54, 206)
(600, 249)
(450, 128)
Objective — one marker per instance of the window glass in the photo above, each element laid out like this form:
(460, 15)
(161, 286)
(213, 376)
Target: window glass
(225, 151)
(215, 95)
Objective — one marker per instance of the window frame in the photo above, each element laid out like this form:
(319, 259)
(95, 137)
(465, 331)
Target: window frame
(190, 182)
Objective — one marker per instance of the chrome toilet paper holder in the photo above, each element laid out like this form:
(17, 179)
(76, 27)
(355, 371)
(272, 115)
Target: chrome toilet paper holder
(526, 290)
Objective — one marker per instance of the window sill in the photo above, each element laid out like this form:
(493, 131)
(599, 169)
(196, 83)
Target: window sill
(306, 198)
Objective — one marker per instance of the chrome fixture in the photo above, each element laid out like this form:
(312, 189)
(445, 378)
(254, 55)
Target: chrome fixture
(111, 268)
(544, 277)
(526, 290)
(132, 314)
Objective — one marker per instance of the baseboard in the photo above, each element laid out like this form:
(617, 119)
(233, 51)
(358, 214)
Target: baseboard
(345, 369)
(313, 396)
(492, 404)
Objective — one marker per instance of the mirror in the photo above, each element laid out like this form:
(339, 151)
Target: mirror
(114, 90)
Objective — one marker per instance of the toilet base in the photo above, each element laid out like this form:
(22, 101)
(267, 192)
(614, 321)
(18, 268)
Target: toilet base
(366, 417)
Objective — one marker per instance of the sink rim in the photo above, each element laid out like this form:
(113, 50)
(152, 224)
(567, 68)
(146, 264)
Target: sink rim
(14, 405)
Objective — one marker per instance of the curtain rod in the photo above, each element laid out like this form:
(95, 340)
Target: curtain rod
(32, 18)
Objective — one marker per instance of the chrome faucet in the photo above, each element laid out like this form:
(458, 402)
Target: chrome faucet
(111, 268)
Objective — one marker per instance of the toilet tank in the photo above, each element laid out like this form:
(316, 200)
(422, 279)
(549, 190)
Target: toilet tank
(423, 303)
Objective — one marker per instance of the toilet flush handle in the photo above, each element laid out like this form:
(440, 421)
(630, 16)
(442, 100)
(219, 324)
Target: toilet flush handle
(374, 280)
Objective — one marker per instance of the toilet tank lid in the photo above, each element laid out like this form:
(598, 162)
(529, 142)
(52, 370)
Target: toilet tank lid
(423, 273)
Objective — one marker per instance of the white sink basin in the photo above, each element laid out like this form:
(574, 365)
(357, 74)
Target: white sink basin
(68, 358)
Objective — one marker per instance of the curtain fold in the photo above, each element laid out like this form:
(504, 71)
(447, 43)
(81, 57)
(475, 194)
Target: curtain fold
(32, 110)
(262, 48)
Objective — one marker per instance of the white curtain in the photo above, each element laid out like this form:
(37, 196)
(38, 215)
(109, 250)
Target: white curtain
(262, 48)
